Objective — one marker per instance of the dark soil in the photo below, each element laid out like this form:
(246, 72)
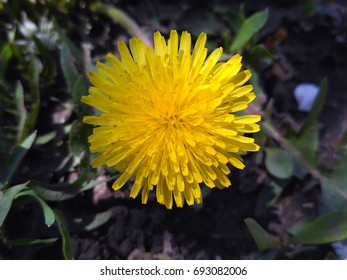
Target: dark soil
(314, 47)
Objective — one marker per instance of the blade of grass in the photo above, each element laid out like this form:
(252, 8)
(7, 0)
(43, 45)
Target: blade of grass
(263, 239)
(74, 50)
(327, 228)
(31, 241)
(47, 210)
(34, 74)
(316, 108)
(6, 199)
(22, 113)
(91, 222)
(63, 227)
(16, 159)
(76, 83)
(49, 63)
(60, 192)
(121, 18)
(248, 29)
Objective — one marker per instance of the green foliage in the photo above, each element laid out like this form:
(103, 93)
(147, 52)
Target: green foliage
(31, 241)
(6, 199)
(311, 121)
(76, 82)
(334, 184)
(276, 190)
(297, 157)
(45, 63)
(279, 163)
(51, 71)
(91, 222)
(309, 7)
(63, 226)
(20, 108)
(248, 29)
(45, 138)
(327, 228)
(47, 211)
(259, 56)
(77, 86)
(263, 239)
(72, 49)
(65, 191)
(78, 139)
(309, 131)
(15, 159)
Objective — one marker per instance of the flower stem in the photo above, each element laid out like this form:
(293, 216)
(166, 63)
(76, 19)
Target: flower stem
(273, 132)
(122, 18)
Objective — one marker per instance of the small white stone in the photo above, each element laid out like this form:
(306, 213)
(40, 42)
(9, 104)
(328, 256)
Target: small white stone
(305, 94)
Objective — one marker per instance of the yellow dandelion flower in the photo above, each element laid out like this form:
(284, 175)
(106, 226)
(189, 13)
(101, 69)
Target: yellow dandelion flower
(167, 117)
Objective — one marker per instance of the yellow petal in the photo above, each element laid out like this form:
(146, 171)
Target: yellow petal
(167, 117)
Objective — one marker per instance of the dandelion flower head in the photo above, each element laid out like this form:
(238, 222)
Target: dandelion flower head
(167, 117)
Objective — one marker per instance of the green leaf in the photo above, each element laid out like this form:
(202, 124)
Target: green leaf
(60, 192)
(69, 68)
(47, 210)
(73, 49)
(334, 196)
(22, 113)
(309, 7)
(256, 83)
(311, 120)
(34, 74)
(263, 239)
(261, 52)
(5, 56)
(334, 184)
(6, 199)
(15, 159)
(49, 63)
(95, 183)
(63, 226)
(91, 222)
(248, 29)
(279, 163)
(78, 138)
(327, 228)
(31, 241)
(52, 193)
(119, 16)
(16, 52)
(78, 90)
(276, 190)
(298, 226)
(299, 170)
(76, 83)
(45, 138)
(258, 57)
(306, 142)
(240, 17)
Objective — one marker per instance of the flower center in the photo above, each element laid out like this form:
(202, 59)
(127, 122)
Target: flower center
(171, 120)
